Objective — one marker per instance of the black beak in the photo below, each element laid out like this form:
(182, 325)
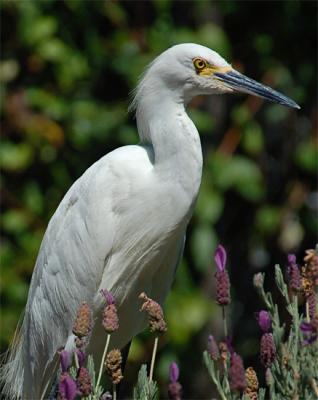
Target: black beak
(242, 83)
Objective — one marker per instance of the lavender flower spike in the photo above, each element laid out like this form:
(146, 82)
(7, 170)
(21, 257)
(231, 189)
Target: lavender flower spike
(173, 372)
(213, 349)
(220, 258)
(67, 387)
(264, 321)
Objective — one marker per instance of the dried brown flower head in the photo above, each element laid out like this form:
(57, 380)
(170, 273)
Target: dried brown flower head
(155, 314)
(110, 317)
(83, 322)
(251, 390)
(307, 286)
(224, 353)
(113, 366)
(311, 266)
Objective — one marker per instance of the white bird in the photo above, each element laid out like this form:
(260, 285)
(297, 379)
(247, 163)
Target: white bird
(122, 224)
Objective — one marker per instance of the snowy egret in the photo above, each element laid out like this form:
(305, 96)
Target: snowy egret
(121, 226)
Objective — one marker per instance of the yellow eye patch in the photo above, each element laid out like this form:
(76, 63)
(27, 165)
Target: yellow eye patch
(204, 68)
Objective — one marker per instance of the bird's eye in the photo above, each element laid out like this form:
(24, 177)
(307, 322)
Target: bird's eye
(199, 64)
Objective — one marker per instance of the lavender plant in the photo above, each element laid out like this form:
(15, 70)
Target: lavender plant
(288, 353)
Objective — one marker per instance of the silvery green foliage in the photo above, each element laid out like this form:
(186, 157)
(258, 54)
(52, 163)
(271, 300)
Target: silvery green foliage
(98, 391)
(145, 390)
(294, 373)
(295, 370)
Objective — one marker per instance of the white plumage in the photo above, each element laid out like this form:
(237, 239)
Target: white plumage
(122, 224)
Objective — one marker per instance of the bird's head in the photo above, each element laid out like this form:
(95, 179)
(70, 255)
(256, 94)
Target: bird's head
(196, 70)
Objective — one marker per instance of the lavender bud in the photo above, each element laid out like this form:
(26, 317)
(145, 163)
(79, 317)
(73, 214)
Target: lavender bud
(84, 382)
(312, 304)
(237, 373)
(268, 350)
(213, 349)
(264, 321)
(223, 296)
(258, 280)
(173, 372)
(110, 317)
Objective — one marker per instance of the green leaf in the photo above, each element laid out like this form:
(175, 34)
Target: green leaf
(203, 241)
(252, 139)
(306, 156)
(268, 219)
(15, 157)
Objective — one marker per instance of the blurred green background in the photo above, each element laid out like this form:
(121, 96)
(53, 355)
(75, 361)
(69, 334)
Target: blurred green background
(67, 68)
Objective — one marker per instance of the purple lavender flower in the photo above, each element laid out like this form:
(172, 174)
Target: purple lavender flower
(81, 356)
(309, 331)
(268, 350)
(237, 373)
(110, 299)
(65, 360)
(67, 387)
(220, 258)
(174, 388)
(293, 273)
(223, 296)
(229, 344)
(264, 321)
(110, 319)
(213, 348)
(291, 258)
(174, 372)
(84, 381)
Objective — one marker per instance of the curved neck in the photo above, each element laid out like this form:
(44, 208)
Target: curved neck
(163, 122)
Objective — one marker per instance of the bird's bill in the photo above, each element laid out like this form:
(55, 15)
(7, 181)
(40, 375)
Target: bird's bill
(241, 83)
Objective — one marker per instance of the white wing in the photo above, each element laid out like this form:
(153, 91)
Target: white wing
(108, 232)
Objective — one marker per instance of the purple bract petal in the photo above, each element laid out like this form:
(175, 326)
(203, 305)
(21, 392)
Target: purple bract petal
(306, 327)
(229, 344)
(81, 356)
(291, 258)
(220, 258)
(110, 299)
(67, 387)
(173, 372)
(264, 321)
(65, 360)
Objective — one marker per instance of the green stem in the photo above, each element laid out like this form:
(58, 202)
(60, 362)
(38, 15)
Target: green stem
(76, 360)
(103, 360)
(224, 321)
(307, 312)
(114, 392)
(153, 358)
